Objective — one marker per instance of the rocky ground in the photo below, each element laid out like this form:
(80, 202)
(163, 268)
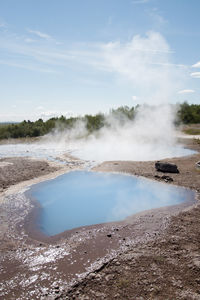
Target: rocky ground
(188, 176)
(166, 268)
(153, 255)
(15, 170)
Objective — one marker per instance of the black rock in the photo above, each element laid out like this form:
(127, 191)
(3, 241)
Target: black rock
(166, 167)
(198, 165)
(167, 178)
(109, 235)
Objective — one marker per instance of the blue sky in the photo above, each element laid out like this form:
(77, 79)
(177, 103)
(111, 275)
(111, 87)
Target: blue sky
(85, 56)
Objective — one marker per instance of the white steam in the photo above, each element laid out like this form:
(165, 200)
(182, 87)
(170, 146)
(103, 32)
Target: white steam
(150, 136)
(145, 62)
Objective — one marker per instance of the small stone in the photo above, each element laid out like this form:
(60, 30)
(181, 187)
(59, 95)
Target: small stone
(167, 178)
(109, 276)
(91, 275)
(109, 235)
(98, 277)
(117, 296)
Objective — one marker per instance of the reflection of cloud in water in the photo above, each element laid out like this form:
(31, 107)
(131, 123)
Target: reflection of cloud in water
(147, 195)
(81, 198)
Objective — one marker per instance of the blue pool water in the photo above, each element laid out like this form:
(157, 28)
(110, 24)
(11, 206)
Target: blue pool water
(81, 198)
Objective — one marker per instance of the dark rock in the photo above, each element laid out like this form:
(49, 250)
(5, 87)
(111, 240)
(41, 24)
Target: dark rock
(167, 178)
(109, 235)
(164, 177)
(166, 167)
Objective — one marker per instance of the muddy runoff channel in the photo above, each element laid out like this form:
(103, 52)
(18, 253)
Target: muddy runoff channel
(36, 266)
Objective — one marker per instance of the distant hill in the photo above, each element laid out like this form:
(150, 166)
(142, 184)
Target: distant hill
(9, 122)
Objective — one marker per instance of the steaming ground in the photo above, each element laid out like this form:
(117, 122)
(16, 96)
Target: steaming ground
(95, 150)
(42, 150)
(151, 136)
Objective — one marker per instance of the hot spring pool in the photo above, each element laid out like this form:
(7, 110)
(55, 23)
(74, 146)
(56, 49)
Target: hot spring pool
(81, 198)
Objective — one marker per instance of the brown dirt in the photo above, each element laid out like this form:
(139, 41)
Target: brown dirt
(188, 176)
(152, 255)
(14, 170)
(167, 267)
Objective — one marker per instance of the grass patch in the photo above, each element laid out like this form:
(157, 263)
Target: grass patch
(197, 141)
(159, 259)
(192, 131)
(123, 283)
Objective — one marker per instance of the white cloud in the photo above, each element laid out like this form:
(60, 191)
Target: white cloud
(186, 92)
(144, 61)
(195, 74)
(40, 108)
(157, 19)
(3, 25)
(53, 114)
(197, 65)
(134, 98)
(28, 40)
(50, 113)
(40, 34)
(140, 1)
(30, 67)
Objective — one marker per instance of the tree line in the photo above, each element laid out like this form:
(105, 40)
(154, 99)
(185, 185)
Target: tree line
(186, 114)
